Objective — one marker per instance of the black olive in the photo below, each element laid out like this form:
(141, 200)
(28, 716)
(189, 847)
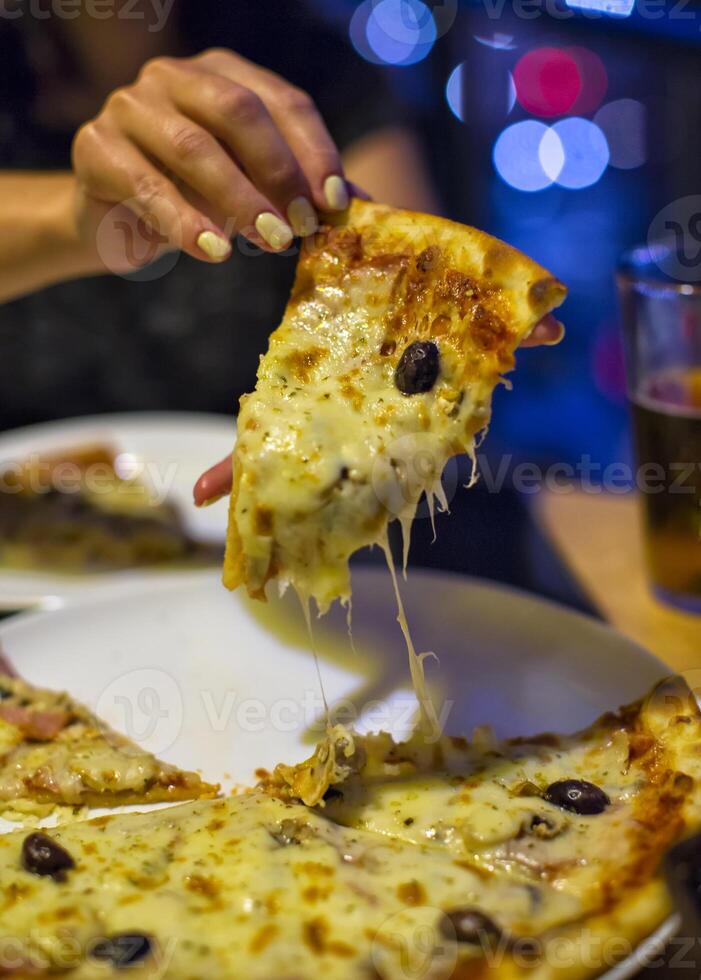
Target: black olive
(42, 855)
(577, 795)
(418, 368)
(122, 950)
(469, 925)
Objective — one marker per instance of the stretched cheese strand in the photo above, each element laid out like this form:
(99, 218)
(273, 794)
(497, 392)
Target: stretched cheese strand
(305, 604)
(428, 720)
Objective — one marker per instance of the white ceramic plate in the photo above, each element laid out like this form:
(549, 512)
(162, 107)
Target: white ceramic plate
(169, 451)
(213, 681)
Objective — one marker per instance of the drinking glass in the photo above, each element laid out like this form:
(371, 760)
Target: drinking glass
(662, 342)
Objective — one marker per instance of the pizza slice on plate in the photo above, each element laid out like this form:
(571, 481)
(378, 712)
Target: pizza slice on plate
(53, 751)
(535, 858)
(399, 327)
(79, 511)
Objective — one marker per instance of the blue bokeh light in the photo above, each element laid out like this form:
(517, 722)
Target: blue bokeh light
(393, 32)
(453, 92)
(516, 156)
(455, 88)
(585, 153)
(497, 41)
(614, 8)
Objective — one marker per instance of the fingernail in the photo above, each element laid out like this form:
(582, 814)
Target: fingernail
(560, 334)
(302, 217)
(274, 231)
(214, 246)
(209, 501)
(336, 193)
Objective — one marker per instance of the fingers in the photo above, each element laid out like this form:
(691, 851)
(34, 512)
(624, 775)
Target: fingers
(213, 484)
(199, 140)
(299, 122)
(112, 169)
(241, 120)
(547, 332)
(196, 157)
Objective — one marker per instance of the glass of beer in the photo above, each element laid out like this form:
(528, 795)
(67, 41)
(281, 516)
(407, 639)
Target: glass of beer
(661, 310)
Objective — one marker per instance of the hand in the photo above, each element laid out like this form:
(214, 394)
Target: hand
(216, 482)
(196, 150)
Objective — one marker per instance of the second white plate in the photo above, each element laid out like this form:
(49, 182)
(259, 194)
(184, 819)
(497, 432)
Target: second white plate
(169, 449)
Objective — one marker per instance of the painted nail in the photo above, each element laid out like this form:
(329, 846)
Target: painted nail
(556, 339)
(214, 246)
(209, 501)
(274, 231)
(336, 193)
(302, 217)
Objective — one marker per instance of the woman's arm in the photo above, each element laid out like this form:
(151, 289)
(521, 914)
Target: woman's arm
(39, 240)
(388, 163)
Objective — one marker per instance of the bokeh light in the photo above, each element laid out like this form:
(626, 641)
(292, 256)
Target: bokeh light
(548, 82)
(614, 8)
(624, 124)
(455, 92)
(585, 153)
(530, 156)
(511, 94)
(393, 32)
(516, 156)
(593, 78)
(497, 41)
(551, 153)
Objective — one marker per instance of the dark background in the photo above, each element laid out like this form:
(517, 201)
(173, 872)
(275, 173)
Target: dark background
(623, 80)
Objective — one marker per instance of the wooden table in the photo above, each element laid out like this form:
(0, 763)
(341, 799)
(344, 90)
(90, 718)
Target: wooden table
(599, 537)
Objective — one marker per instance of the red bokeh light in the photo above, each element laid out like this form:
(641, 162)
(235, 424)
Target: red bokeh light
(548, 81)
(593, 78)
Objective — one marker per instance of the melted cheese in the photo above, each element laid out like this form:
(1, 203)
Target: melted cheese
(261, 886)
(329, 449)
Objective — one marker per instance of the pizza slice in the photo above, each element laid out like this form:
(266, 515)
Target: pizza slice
(534, 858)
(77, 511)
(399, 327)
(53, 751)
